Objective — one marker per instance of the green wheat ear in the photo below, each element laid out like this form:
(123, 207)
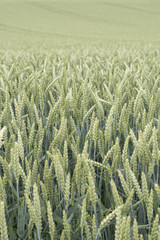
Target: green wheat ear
(67, 227)
(115, 194)
(127, 234)
(150, 207)
(3, 224)
(154, 234)
(52, 228)
(108, 218)
(118, 230)
(67, 191)
(83, 215)
(135, 230)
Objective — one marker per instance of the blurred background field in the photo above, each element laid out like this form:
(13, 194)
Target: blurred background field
(65, 23)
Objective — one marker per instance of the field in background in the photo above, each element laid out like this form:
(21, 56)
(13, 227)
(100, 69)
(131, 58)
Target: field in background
(65, 23)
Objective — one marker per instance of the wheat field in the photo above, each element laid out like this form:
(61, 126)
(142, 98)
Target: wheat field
(57, 24)
(80, 145)
(79, 120)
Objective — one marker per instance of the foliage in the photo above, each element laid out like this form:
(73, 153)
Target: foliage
(80, 145)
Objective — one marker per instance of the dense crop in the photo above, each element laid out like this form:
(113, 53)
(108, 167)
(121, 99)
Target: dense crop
(80, 145)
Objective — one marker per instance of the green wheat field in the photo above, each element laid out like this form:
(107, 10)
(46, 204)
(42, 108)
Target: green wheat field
(80, 120)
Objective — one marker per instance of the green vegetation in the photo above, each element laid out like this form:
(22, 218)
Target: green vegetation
(63, 23)
(79, 120)
(80, 150)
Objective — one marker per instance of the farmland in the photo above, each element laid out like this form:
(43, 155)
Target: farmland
(67, 23)
(79, 120)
